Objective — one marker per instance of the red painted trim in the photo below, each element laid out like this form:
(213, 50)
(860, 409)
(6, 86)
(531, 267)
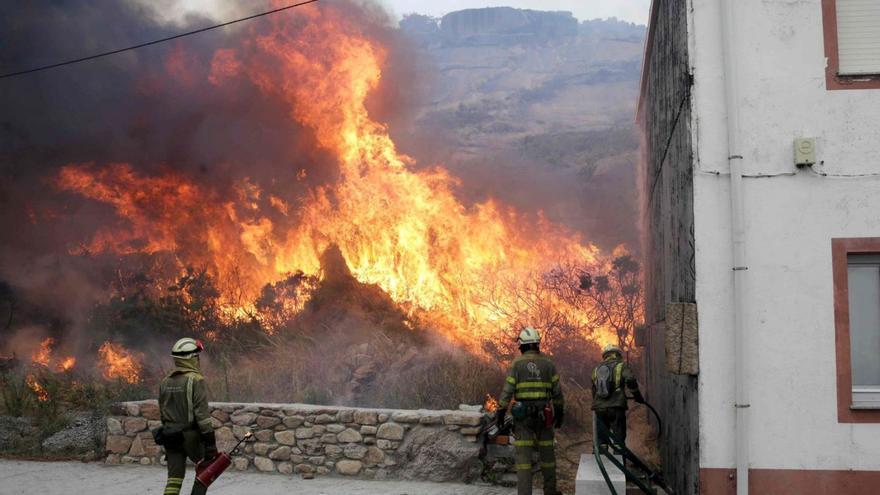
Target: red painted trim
(720, 481)
(833, 81)
(840, 248)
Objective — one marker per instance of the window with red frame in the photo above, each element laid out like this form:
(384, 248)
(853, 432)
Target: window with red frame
(856, 274)
(852, 43)
(863, 280)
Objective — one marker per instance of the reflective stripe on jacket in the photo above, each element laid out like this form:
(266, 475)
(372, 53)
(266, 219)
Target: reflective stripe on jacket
(183, 401)
(532, 376)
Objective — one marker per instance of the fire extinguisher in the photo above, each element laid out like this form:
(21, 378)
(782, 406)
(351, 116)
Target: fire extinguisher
(548, 415)
(208, 471)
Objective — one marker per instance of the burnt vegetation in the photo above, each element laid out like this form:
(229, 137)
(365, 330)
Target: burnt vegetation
(333, 340)
(211, 164)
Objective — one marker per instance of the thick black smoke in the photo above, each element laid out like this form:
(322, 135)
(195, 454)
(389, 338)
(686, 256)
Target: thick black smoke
(153, 108)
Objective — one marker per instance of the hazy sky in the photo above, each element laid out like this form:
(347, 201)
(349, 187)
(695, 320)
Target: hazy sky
(631, 10)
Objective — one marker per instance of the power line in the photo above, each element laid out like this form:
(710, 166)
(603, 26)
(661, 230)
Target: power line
(155, 42)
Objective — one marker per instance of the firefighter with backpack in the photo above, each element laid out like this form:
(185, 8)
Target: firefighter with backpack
(610, 379)
(538, 407)
(187, 430)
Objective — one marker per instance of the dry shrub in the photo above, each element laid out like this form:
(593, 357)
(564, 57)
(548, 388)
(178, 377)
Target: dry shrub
(325, 371)
(441, 381)
(17, 397)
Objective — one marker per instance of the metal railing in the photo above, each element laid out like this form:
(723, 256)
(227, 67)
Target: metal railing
(609, 446)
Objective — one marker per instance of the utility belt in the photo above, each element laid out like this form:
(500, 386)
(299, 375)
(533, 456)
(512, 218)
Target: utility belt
(171, 434)
(540, 410)
(526, 409)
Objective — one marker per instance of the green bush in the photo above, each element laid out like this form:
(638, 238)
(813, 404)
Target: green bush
(17, 397)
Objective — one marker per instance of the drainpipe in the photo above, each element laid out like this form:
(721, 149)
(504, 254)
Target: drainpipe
(735, 159)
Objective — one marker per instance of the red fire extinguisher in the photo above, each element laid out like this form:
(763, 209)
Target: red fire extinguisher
(548, 416)
(208, 471)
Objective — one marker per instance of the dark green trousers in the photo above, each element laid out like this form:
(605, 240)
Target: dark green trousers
(176, 456)
(615, 420)
(531, 434)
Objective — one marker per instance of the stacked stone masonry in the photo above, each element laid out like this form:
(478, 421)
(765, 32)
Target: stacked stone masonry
(318, 440)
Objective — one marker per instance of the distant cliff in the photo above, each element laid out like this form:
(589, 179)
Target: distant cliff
(525, 104)
(505, 25)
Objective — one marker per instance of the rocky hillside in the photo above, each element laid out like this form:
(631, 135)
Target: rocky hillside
(534, 108)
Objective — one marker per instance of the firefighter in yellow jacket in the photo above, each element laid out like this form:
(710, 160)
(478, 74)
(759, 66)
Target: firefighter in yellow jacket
(186, 420)
(538, 407)
(610, 379)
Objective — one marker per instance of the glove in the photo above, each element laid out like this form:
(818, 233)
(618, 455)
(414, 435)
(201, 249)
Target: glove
(558, 418)
(637, 396)
(210, 443)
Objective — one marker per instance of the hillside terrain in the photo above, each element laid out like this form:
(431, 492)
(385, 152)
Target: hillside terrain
(534, 108)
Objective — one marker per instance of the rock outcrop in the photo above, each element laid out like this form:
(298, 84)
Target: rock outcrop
(436, 454)
(504, 25)
(85, 433)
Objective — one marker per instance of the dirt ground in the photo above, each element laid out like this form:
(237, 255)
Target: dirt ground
(641, 439)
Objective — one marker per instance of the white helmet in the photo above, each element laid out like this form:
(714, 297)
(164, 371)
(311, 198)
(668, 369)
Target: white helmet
(529, 336)
(611, 348)
(187, 347)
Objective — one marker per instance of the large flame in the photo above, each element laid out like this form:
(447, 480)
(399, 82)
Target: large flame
(118, 363)
(396, 226)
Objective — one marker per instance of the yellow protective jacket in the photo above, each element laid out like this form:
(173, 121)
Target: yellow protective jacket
(532, 376)
(183, 398)
(623, 378)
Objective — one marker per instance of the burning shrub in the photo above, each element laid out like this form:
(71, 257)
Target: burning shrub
(118, 363)
(280, 302)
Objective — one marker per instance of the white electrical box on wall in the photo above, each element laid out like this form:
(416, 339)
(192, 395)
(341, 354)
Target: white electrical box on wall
(804, 151)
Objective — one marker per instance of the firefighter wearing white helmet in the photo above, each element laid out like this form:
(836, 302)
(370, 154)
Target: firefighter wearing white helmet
(186, 347)
(538, 406)
(186, 421)
(610, 379)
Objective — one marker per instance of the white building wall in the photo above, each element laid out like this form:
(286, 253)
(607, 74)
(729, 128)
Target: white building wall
(790, 221)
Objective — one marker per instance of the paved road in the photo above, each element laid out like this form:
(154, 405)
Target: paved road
(66, 478)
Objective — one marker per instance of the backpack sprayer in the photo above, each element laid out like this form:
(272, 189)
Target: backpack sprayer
(208, 471)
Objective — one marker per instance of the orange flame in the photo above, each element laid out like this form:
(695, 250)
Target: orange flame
(491, 404)
(66, 364)
(43, 354)
(116, 362)
(398, 227)
(39, 390)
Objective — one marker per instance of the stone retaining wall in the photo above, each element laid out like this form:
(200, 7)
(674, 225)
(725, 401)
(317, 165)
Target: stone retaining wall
(305, 439)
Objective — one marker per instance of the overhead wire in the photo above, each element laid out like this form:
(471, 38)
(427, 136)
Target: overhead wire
(154, 42)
